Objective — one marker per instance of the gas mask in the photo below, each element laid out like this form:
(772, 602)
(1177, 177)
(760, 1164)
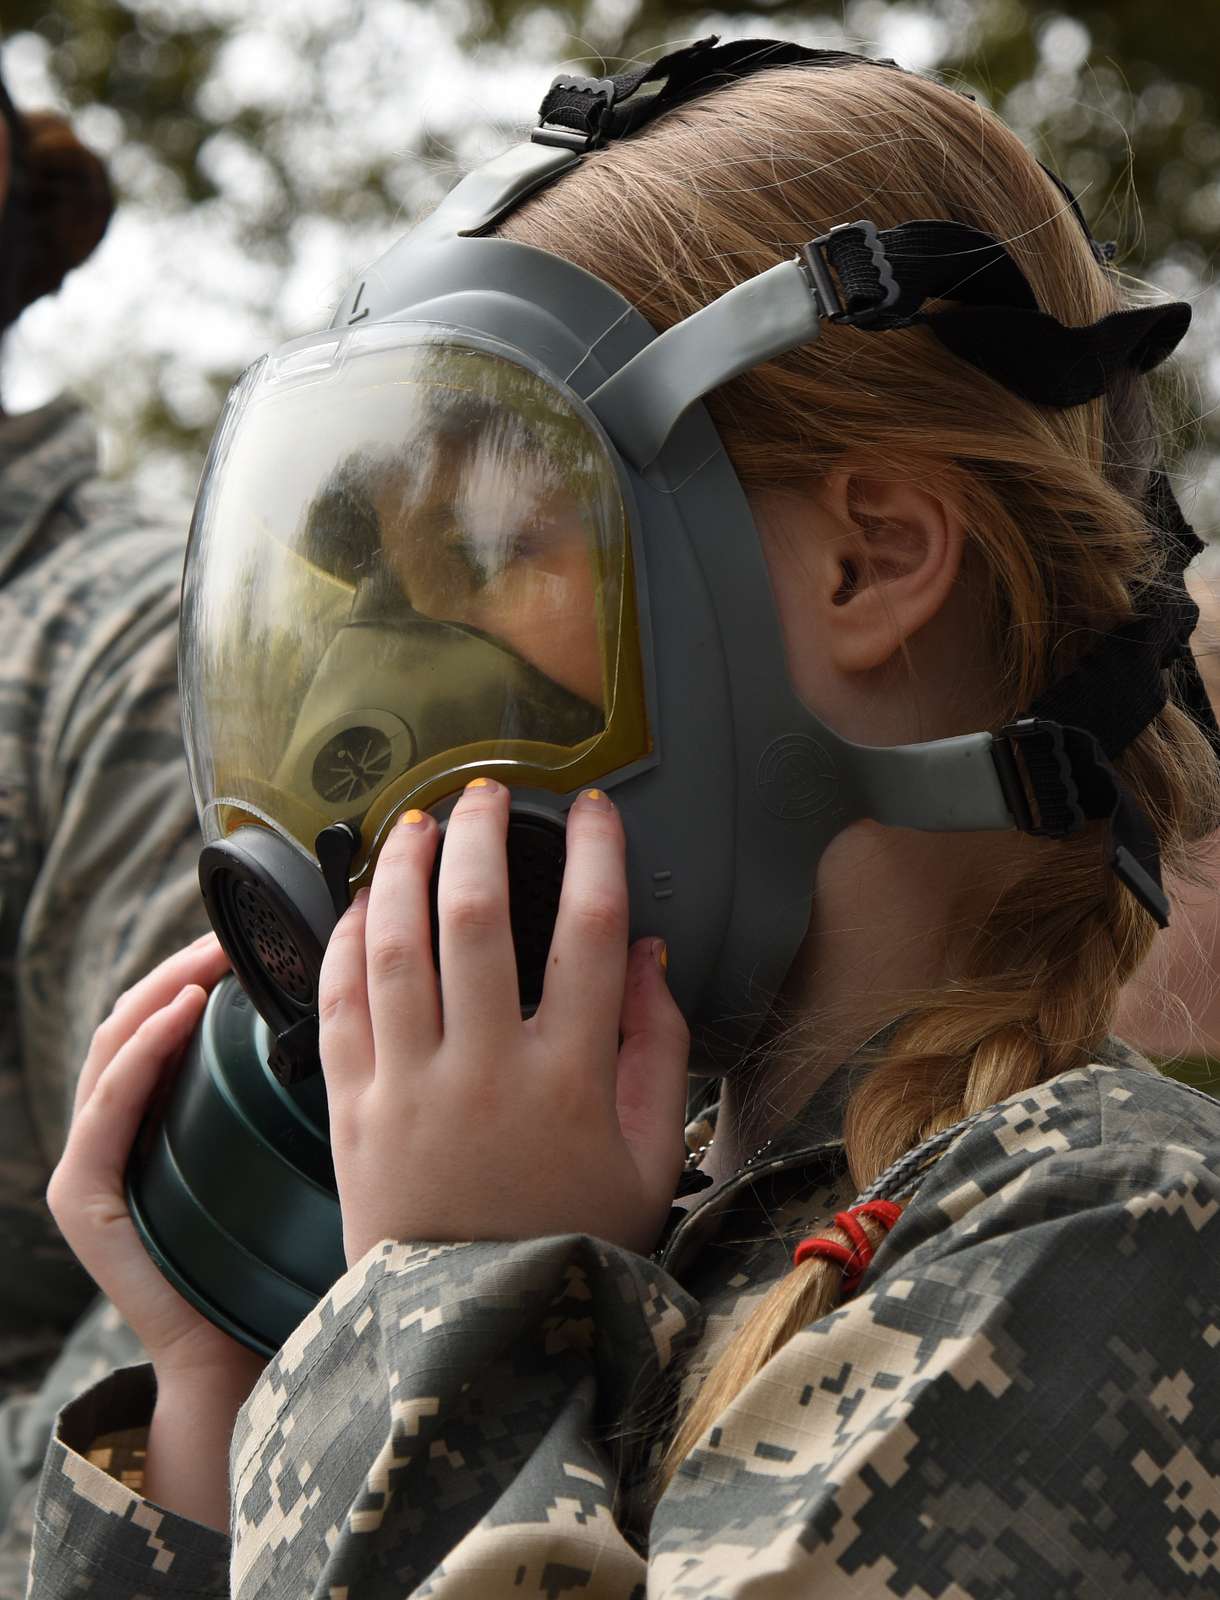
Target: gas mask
(482, 524)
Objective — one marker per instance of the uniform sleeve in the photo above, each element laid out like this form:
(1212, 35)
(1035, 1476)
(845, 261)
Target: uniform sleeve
(94, 1533)
(448, 1423)
(98, 823)
(104, 885)
(1024, 1403)
(117, 889)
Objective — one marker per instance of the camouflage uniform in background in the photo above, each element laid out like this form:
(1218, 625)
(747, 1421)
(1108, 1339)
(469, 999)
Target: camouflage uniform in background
(1022, 1400)
(98, 845)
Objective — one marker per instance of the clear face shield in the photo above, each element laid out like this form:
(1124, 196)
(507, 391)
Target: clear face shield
(410, 562)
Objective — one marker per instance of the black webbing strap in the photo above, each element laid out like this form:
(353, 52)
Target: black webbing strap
(927, 260)
(1056, 760)
(1103, 254)
(1122, 684)
(881, 279)
(885, 277)
(1056, 779)
(588, 112)
(1186, 686)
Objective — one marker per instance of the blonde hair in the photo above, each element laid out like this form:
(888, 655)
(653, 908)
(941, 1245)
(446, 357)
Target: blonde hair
(720, 189)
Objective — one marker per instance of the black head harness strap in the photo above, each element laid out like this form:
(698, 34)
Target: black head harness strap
(583, 113)
(880, 279)
(1056, 761)
(888, 276)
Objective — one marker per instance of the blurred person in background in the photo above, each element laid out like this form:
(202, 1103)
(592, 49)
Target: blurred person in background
(97, 828)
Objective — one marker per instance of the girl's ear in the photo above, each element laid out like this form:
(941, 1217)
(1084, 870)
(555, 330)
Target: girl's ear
(892, 555)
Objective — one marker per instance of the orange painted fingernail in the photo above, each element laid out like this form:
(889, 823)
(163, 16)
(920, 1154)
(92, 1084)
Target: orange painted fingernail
(411, 819)
(661, 950)
(596, 797)
(482, 783)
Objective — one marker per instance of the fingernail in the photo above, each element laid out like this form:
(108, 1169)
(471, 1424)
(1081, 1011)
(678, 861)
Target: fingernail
(358, 899)
(482, 783)
(204, 938)
(598, 798)
(411, 819)
(661, 950)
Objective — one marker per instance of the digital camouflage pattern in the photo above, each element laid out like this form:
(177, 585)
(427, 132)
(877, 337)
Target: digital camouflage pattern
(1023, 1399)
(98, 846)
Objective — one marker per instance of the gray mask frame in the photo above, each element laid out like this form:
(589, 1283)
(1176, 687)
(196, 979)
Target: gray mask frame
(727, 819)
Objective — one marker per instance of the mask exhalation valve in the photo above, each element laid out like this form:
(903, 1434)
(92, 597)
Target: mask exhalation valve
(273, 915)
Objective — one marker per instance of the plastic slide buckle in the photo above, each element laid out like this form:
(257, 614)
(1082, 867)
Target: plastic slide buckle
(816, 261)
(1036, 775)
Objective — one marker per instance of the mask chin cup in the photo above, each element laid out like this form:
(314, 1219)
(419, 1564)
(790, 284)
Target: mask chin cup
(273, 914)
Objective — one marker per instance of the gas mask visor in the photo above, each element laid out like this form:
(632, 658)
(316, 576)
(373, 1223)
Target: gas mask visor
(410, 563)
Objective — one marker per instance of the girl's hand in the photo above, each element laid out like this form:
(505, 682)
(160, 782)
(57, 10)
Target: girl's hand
(450, 1117)
(129, 1054)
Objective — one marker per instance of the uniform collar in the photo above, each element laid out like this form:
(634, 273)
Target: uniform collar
(820, 1120)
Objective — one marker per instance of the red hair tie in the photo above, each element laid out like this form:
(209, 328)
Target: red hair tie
(855, 1261)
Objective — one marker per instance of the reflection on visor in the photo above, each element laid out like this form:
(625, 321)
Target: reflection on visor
(409, 556)
(475, 524)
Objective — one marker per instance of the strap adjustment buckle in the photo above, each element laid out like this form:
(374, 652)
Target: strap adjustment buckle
(601, 94)
(1037, 776)
(818, 259)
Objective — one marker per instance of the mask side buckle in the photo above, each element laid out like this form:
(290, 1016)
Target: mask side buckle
(1061, 780)
(1035, 772)
(294, 1057)
(574, 112)
(855, 251)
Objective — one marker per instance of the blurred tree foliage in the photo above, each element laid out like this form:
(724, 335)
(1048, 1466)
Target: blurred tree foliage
(261, 122)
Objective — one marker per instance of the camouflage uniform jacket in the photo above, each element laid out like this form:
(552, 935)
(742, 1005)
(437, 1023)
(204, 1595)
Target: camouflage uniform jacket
(98, 844)
(1023, 1399)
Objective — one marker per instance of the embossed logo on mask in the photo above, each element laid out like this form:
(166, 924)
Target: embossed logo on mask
(795, 777)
